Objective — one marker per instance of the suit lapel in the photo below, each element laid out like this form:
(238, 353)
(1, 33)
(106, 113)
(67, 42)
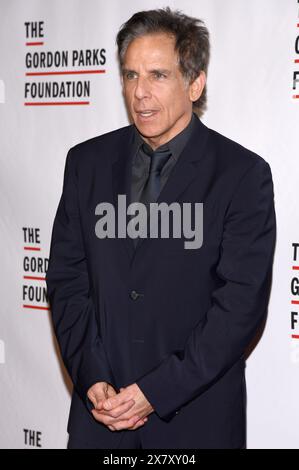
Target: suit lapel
(121, 179)
(181, 176)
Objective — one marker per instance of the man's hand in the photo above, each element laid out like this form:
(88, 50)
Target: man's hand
(118, 410)
(117, 418)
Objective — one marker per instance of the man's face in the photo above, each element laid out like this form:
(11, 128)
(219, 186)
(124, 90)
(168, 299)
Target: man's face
(153, 84)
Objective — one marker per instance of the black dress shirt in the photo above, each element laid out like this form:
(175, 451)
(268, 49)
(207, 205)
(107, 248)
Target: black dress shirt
(141, 160)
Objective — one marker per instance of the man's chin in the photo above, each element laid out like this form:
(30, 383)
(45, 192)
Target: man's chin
(151, 131)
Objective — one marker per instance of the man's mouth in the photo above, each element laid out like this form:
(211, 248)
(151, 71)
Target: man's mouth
(147, 113)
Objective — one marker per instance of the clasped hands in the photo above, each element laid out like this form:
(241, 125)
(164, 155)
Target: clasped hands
(127, 409)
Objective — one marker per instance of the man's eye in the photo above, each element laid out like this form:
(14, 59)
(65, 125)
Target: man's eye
(159, 75)
(129, 75)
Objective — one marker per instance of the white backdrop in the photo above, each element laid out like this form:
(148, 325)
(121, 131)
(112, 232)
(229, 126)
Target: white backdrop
(250, 100)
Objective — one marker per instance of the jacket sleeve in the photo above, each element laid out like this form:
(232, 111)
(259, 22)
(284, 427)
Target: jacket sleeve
(68, 290)
(238, 307)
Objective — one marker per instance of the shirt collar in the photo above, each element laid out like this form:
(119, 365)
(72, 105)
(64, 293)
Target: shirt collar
(176, 144)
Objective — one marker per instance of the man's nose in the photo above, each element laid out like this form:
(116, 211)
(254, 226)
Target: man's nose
(142, 89)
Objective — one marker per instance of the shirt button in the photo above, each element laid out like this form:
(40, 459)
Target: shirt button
(134, 295)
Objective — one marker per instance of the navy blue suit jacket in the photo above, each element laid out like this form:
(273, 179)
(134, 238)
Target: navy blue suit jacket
(182, 336)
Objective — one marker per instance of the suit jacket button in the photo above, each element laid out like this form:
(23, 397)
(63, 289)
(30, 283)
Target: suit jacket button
(134, 295)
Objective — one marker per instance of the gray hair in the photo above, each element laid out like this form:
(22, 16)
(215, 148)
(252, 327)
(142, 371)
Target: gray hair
(191, 42)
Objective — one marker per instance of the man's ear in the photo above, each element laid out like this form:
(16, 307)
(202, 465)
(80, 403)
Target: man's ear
(197, 86)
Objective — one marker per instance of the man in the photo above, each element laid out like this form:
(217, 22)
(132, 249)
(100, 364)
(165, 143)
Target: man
(154, 335)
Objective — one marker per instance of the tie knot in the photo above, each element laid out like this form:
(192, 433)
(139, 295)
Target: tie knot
(158, 157)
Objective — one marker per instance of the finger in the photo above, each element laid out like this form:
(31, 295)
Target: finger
(130, 419)
(111, 392)
(99, 404)
(124, 424)
(107, 419)
(139, 423)
(93, 400)
(114, 402)
(120, 410)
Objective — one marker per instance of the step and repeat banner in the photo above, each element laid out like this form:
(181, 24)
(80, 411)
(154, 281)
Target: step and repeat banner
(60, 85)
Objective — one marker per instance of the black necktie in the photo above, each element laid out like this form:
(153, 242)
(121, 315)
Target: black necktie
(152, 185)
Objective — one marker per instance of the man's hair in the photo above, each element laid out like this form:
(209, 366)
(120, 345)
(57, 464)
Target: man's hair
(191, 42)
